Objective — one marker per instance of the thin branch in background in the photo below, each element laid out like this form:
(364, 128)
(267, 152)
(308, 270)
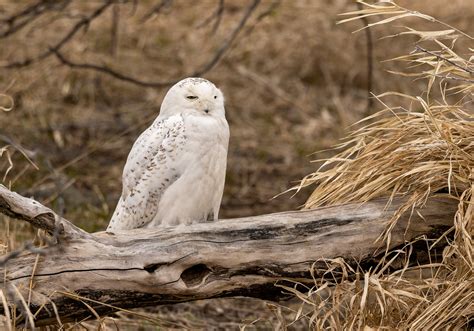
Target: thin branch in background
(219, 14)
(83, 23)
(227, 43)
(106, 70)
(206, 68)
(114, 30)
(439, 57)
(5, 150)
(368, 37)
(465, 80)
(270, 9)
(156, 9)
(216, 16)
(18, 21)
(96, 147)
(274, 5)
(27, 154)
(134, 8)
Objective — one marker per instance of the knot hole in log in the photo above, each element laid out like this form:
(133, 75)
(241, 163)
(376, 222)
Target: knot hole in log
(195, 275)
(151, 268)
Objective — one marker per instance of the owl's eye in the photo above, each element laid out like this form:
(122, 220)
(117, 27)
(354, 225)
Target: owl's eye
(215, 97)
(191, 97)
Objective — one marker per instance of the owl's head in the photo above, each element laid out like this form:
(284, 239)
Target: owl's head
(193, 95)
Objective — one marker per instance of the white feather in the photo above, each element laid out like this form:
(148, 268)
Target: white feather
(175, 171)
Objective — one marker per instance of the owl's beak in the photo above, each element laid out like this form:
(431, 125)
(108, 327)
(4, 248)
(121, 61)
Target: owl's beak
(206, 106)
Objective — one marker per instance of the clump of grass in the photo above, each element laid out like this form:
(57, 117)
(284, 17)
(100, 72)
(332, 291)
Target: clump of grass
(420, 148)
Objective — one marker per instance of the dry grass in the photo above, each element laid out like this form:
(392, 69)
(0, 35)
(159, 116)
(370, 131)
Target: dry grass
(416, 151)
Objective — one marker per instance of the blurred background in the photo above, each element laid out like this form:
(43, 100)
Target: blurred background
(85, 78)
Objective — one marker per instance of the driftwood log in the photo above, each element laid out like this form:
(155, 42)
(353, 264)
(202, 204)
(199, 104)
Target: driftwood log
(234, 257)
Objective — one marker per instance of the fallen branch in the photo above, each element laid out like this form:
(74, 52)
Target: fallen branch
(16, 206)
(236, 257)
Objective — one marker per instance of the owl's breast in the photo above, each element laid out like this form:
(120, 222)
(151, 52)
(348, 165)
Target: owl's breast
(205, 133)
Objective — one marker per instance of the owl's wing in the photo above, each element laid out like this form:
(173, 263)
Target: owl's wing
(150, 169)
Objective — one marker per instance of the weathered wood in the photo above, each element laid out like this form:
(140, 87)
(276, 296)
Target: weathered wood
(235, 257)
(14, 205)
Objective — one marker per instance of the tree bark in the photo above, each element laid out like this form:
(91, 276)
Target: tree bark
(235, 257)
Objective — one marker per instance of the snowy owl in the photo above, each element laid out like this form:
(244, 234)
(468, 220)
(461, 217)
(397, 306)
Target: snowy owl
(175, 171)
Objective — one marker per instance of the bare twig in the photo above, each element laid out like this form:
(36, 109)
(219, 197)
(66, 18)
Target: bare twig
(156, 9)
(465, 80)
(269, 10)
(106, 70)
(262, 15)
(466, 69)
(84, 22)
(207, 67)
(114, 30)
(227, 43)
(133, 11)
(216, 16)
(26, 153)
(18, 21)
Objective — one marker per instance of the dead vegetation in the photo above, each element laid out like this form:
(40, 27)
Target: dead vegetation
(74, 126)
(418, 151)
